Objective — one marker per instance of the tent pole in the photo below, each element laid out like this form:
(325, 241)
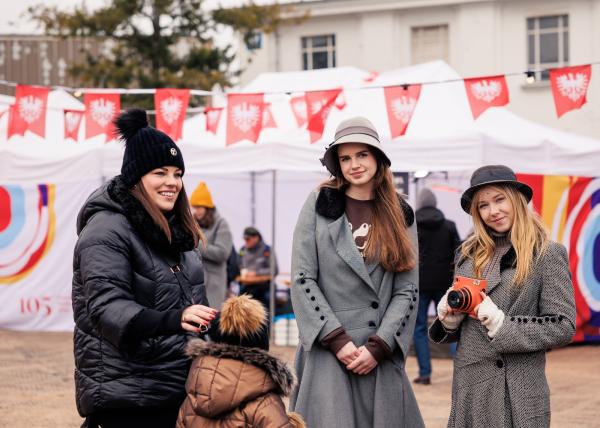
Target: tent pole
(253, 198)
(272, 286)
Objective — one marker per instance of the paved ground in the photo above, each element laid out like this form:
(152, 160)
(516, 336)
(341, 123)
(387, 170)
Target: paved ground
(36, 387)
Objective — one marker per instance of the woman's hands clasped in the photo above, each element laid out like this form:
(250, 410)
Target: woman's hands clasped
(357, 360)
(197, 318)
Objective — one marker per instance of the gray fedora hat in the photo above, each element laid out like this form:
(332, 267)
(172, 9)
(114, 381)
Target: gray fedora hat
(490, 175)
(355, 130)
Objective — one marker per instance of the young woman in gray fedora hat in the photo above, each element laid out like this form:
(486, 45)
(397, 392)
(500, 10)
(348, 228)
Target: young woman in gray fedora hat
(354, 291)
(528, 306)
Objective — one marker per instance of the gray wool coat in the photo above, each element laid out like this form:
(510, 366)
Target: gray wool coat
(501, 382)
(214, 256)
(332, 286)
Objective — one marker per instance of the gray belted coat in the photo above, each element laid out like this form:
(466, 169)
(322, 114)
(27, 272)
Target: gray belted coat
(332, 286)
(501, 382)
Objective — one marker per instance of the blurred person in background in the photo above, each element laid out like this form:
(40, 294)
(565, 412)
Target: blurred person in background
(438, 243)
(138, 290)
(255, 259)
(217, 246)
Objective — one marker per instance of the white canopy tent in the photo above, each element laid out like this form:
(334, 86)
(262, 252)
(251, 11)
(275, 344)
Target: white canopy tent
(266, 183)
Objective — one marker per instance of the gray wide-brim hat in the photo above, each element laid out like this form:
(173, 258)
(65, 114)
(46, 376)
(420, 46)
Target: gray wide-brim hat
(356, 130)
(492, 175)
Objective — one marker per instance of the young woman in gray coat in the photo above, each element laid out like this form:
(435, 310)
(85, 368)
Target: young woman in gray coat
(354, 291)
(528, 307)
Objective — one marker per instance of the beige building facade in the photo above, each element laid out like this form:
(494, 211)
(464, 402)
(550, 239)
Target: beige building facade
(476, 37)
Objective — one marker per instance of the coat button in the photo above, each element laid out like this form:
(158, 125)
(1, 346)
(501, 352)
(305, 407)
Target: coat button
(308, 290)
(411, 307)
(374, 305)
(512, 318)
(317, 309)
(499, 364)
(533, 319)
(312, 298)
(553, 319)
(301, 273)
(372, 324)
(322, 317)
(525, 320)
(540, 320)
(403, 324)
(547, 319)
(302, 281)
(398, 333)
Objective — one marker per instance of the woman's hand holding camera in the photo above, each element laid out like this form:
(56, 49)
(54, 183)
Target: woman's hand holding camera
(490, 316)
(364, 363)
(450, 320)
(348, 353)
(197, 318)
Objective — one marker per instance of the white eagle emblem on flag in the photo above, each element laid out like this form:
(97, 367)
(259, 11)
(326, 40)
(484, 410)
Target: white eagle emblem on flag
(72, 120)
(102, 111)
(30, 108)
(402, 108)
(317, 106)
(300, 108)
(245, 116)
(572, 87)
(486, 90)
(171, 109)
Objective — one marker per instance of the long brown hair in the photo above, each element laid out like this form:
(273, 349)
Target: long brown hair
(527, 235)
(207, 221)
(181, 209)
(389, 241)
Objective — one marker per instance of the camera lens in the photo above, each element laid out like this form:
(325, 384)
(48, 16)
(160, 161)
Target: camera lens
(455, 299)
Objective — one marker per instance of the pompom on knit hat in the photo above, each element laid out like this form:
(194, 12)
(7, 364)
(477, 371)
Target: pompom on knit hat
(242, 321)
(201, 197)
(146, 148)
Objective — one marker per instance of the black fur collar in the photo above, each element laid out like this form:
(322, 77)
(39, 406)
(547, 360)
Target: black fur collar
(277, 369)
(331, 203)
(133, 209)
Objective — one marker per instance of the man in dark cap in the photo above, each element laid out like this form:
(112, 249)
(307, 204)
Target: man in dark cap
(255, 260)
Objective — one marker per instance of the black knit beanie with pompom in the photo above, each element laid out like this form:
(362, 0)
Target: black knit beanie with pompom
(146, 148)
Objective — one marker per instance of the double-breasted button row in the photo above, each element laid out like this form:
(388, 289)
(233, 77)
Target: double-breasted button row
(539, 320)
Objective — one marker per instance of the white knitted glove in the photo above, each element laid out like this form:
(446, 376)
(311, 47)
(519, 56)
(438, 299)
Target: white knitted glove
(490, 316)
(450, 321)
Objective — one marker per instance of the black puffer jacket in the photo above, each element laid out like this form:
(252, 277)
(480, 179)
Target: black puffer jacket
(438, 242)
(122, 265)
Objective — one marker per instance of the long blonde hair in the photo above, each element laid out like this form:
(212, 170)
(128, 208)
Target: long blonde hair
(527, 235)
(389, 241)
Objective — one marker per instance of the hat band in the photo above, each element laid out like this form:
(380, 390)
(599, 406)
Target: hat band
(356, 130)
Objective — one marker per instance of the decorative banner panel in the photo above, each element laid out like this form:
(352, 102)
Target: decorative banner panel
(570, 208)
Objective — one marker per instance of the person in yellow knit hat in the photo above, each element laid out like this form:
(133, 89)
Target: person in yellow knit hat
(215, 252)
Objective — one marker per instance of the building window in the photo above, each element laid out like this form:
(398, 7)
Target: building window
(547, 43)
(318, 52)
(429, 43)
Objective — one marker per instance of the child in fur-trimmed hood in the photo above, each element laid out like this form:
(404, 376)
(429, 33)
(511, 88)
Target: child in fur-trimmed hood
(234, 381)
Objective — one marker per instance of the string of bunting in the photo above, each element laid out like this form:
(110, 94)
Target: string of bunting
(248, 114)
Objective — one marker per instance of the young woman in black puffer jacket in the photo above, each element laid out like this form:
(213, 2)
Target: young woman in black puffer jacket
(138, 287)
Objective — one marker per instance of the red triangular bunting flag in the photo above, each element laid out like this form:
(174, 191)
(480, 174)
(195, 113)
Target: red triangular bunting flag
(244, 117)
(29, 112)
(486, 92)
(100, 111)
(213, 115)
(268, 120)
(72, 123)
(340, 101)
(170, 106)
(318, 104)
(400, 103)
(569, 87)
(299, 109)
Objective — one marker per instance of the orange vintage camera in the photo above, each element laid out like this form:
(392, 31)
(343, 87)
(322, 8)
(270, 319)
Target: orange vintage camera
(466, 294)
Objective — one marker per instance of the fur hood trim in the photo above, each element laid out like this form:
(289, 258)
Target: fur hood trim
(133, 209)
(331, 203)
(277, 369)
(296, 420)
